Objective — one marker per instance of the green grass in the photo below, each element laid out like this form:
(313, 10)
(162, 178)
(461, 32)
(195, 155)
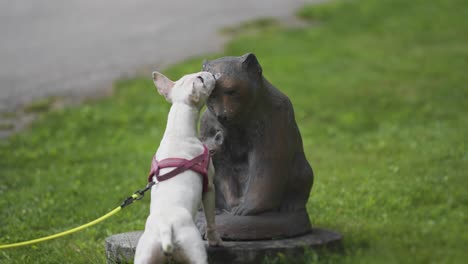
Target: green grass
(380, 92)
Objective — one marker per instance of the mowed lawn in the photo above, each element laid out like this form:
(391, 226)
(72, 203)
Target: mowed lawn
(380, 90)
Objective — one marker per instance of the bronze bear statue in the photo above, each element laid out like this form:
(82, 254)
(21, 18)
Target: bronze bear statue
(263, 179)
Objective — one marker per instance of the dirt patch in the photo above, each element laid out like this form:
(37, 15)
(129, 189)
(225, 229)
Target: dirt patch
(14, 121)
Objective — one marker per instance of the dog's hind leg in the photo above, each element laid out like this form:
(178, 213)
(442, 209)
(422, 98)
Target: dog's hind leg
(191, 243)
(149, 248)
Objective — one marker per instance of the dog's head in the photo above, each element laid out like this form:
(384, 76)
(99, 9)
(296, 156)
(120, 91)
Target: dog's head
(192, 89)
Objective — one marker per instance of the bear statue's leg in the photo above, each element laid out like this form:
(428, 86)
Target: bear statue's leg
(264, 191)
(299, 185)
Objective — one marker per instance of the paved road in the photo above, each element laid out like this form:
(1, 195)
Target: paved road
(78, 47)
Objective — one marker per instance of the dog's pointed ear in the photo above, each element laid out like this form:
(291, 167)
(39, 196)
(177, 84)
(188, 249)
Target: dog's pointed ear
(194, 94)
(163, 84)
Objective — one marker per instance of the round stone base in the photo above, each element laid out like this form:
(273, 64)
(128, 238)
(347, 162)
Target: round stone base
(120, 248)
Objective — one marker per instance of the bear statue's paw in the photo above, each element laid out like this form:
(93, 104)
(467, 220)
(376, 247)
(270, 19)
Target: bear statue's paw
(243, 209)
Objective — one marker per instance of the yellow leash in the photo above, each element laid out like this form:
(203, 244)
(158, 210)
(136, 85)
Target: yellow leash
(76, 229)
(138, 195)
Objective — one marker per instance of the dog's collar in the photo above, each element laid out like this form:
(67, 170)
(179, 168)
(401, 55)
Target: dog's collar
(198, 164)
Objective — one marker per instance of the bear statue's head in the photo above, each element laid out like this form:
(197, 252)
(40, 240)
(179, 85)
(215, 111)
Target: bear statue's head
(236, 91)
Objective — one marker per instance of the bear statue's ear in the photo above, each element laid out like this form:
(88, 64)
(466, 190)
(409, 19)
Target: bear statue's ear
(163, 84)
(250, 62)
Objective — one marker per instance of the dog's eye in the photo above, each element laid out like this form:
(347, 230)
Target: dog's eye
(201, 79)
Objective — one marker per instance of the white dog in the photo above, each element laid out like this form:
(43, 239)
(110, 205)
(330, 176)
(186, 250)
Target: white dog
(170, 229)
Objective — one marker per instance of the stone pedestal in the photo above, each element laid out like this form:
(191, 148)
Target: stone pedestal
(120, 248)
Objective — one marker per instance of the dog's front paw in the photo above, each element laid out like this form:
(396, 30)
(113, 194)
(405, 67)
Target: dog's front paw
(213, 237)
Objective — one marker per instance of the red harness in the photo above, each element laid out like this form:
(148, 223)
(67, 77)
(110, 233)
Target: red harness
(198, 164)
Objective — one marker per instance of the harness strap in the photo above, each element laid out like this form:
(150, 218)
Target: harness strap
(198, 164)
